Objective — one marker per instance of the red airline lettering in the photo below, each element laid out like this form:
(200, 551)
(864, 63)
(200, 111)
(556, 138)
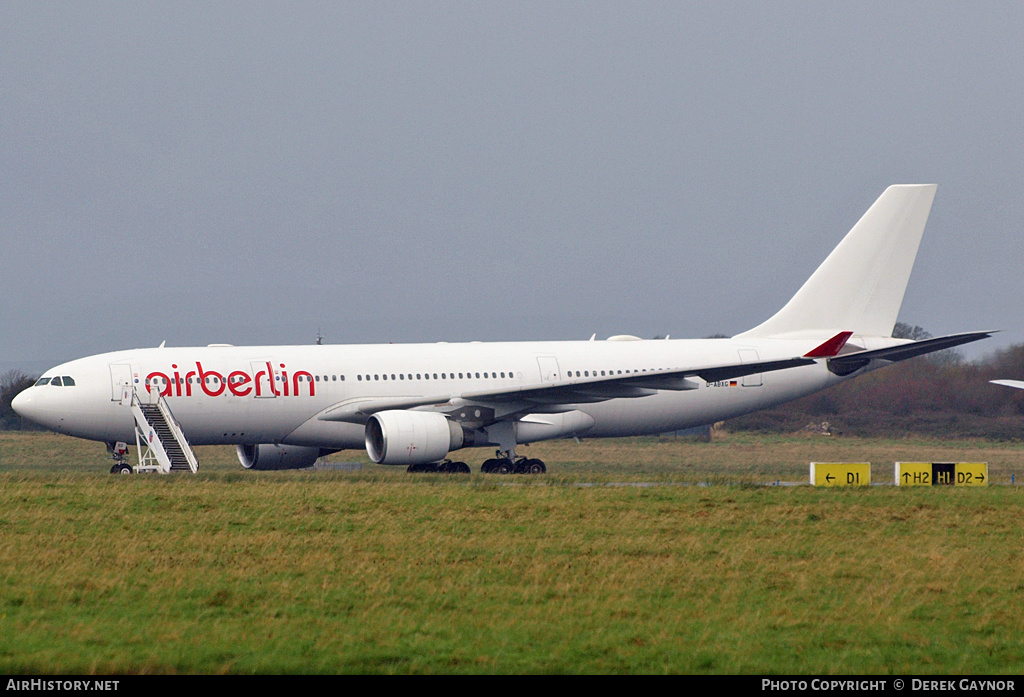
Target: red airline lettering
(238, 382)
(239, 387)
(217, 378)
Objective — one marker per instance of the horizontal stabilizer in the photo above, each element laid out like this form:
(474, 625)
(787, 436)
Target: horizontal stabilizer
(851, 362)
(1009, 383)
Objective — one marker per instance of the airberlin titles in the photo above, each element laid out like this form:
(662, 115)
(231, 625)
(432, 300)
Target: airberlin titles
(265, 382)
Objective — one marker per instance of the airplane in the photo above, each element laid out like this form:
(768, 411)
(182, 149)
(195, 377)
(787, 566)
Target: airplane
(412, 405)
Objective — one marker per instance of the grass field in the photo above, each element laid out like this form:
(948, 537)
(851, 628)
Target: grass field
(614, 562)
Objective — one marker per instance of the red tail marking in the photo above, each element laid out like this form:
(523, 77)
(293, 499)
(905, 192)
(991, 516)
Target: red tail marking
(831, 347)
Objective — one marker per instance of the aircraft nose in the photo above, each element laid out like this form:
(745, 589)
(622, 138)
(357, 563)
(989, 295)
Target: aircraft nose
(23, 405)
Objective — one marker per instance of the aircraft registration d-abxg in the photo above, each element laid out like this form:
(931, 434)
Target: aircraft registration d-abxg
(285, 406)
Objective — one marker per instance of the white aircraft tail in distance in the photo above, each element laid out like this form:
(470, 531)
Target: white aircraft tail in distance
(415, 404)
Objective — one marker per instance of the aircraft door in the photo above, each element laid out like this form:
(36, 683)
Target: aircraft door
(750, 356)
(121, 383)
(266, 379)
(549, 371)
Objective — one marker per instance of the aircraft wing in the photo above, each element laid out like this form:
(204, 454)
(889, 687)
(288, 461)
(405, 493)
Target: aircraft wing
(575, 391)
(599, 389)
(1009, 383)
(850, 362)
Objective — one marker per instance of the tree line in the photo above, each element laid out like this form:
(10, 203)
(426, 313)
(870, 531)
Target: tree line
(939, 396)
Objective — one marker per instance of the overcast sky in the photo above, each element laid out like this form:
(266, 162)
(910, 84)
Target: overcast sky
(256, 172)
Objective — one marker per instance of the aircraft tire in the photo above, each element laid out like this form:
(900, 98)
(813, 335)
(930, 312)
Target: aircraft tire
(535, 466)
(450, 467)
(506, 466)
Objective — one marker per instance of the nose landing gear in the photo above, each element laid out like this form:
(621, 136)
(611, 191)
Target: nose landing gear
(119, 451)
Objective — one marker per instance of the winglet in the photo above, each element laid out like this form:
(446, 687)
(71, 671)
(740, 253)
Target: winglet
(830, 348)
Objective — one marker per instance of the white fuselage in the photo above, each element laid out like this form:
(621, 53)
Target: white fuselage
(276, 394)
(414, 403)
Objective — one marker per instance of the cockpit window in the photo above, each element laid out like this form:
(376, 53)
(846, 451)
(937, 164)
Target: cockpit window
(59, 381)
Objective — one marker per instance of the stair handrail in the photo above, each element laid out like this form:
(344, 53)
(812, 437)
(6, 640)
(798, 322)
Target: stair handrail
(155, 397)
(179, 434)
(154, 446)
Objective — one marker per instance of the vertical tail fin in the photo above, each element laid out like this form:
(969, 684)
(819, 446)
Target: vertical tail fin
(860, 286)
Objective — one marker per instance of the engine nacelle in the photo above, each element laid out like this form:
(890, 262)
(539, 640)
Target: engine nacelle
(276, 457)
(411, 437)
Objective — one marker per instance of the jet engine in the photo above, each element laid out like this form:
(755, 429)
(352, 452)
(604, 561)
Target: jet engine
(411, 437)
(276, 457)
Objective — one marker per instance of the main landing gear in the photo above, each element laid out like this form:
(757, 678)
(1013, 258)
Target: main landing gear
(505, 464)
(502, 464)
(446, 467)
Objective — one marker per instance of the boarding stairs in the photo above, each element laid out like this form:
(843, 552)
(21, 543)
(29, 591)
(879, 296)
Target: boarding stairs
(160, 440)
